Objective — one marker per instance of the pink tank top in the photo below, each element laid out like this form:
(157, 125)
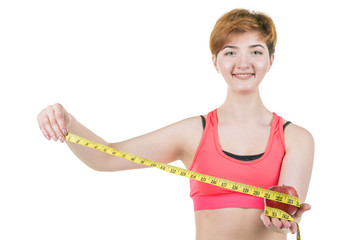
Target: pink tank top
(211, 160)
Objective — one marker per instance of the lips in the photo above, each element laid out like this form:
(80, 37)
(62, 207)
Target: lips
(243, 76)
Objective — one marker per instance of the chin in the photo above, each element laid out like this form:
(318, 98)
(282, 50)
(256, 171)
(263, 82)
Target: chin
(245, 87)
(244, 90)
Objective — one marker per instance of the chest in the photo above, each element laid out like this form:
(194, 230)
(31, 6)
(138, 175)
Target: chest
(243, 140)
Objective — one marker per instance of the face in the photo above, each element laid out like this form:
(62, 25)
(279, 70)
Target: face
(243, 62)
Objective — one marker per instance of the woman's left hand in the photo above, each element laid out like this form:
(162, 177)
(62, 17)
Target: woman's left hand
(282, 225)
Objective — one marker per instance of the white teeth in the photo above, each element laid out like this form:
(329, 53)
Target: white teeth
(243, 75)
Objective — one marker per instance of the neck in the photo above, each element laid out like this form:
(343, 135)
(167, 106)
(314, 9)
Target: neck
(244, 108)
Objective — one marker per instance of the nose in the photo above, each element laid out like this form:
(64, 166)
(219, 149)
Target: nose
(242, 61)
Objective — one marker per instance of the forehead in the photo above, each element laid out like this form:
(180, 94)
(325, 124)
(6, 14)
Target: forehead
(244, 39)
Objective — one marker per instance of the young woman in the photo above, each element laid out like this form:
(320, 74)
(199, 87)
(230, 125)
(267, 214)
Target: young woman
(241, 140)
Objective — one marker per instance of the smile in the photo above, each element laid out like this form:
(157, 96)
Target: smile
(243, 76)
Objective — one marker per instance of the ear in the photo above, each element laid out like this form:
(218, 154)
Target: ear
(214, 58)
(271, 61)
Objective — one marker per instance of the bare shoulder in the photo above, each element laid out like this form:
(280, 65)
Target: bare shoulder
(185, 132)
(296, 135)
(182, 127)
(188, 125)
(191, 130)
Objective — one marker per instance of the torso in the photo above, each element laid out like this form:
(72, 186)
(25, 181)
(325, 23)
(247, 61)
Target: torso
(231, 223)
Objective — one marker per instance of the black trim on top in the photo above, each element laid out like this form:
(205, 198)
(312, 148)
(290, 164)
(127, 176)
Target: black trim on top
(287, 123)
(244, 157)
(203, 121)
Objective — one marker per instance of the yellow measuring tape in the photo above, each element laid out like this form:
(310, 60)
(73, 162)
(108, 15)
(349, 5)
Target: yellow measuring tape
(235, 186)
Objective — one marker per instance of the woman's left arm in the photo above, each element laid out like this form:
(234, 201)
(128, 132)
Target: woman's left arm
(296, 172)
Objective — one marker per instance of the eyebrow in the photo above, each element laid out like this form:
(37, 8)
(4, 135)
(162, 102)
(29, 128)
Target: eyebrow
(251, 46)
(229, 46)
(257, 45)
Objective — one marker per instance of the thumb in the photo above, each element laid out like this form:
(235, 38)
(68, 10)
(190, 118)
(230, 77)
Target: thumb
(303, 208)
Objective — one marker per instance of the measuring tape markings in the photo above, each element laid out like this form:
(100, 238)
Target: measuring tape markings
(231, 185)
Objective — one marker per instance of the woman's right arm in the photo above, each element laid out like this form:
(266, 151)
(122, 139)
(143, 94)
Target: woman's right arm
(165, 145)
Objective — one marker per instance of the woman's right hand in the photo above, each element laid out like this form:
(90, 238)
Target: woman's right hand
(54, 121)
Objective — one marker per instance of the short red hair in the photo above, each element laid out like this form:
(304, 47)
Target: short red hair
(240, 21)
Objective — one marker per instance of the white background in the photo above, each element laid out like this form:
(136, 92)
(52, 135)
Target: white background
(124, 69)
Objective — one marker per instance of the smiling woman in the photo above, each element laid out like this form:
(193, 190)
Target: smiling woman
(241, 140)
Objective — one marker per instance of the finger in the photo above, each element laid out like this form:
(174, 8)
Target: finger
(59, 113)
(277, 223)
(42, 124)
(293, 227)
(285, 223)
(56, 133)
(265, 219)
(60, 118)
(48, 128)
(45, 124)
(303, 208)
(46, 134)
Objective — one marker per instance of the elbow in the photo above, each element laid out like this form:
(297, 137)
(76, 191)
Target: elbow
(99, 169)
(104, 168)
(95, 167)
(102, 165)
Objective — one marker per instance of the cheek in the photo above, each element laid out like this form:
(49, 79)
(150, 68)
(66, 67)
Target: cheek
(261, 66)
(225, 66)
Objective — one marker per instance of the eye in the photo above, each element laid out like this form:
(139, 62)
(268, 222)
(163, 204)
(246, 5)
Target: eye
(230, 53)
(256, 52)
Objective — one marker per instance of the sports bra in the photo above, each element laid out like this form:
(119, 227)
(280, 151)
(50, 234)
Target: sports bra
(210, 159)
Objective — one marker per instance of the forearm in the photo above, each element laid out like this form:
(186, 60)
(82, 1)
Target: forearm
(91, 157)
